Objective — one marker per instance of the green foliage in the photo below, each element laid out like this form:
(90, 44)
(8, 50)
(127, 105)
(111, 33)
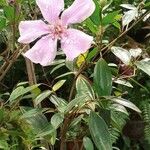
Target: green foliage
(86, 101)
(146, 117)
(99, 132)
(102, 78)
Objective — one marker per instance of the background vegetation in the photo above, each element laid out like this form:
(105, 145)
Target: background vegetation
(101, 100)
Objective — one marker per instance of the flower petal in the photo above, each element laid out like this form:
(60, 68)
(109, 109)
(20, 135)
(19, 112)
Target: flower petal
(43, 52)
(31, 30)
(78, 11)
(51, 9)
(75, 43)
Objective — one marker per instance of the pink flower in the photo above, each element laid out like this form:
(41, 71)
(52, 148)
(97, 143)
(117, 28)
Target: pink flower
(73, 41)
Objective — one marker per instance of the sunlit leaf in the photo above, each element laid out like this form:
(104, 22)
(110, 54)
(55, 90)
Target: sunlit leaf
(129, 16)
(123, 82)
(122, 54)
(144, 65)
(58, 85)
(125, 103)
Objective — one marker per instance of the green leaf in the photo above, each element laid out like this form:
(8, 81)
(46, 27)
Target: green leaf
(54, 137)
(57, 67)
(16, 93)
(63, 75)
(88, 143)
(147, 5)
(3, 2)
(76, 120)
(56, 120)
(20, 91)
(123, 54)
(125, 103)
(47, 130)
(102, 78)
(4, 145)
(59, 103)
(109, 18)
(77, 102)
(144, 66)
(99, 132)
(2, 22)
(96, 16)
(30, 113)
(91, 25)
(1, 114)
(92, 54)
(84, 87)
(9, 12)
(58, 85)
(42, 96)
(123, 82)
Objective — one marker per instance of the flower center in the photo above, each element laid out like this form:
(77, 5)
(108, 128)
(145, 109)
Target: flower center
(58, 30)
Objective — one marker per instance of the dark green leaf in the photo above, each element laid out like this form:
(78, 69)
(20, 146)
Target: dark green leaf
(92, 54)
(9, 12)
(96, 16)
(99, 132)
(102, 78)
(2, 22)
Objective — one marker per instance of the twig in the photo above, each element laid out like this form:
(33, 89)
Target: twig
(123, 33)
(5, 68)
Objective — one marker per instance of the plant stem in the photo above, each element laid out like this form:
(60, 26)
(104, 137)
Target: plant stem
(75, 78)
(123, 33)
(64, 129)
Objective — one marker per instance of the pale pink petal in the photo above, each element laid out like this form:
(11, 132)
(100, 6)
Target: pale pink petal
(75, 43)
(78, 11)
(51, 9)
(31, 30)
(43, 52)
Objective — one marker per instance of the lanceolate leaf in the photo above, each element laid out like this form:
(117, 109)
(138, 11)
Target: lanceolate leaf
(125, 103)
(99, 132)
(56, 120)
(84, 87)
(20, 91)
(122, 54)
(88, 143)
(102, 78)
(58, 85)
(77, 102)
(96, 16)
(42, 96)
(144, 66)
